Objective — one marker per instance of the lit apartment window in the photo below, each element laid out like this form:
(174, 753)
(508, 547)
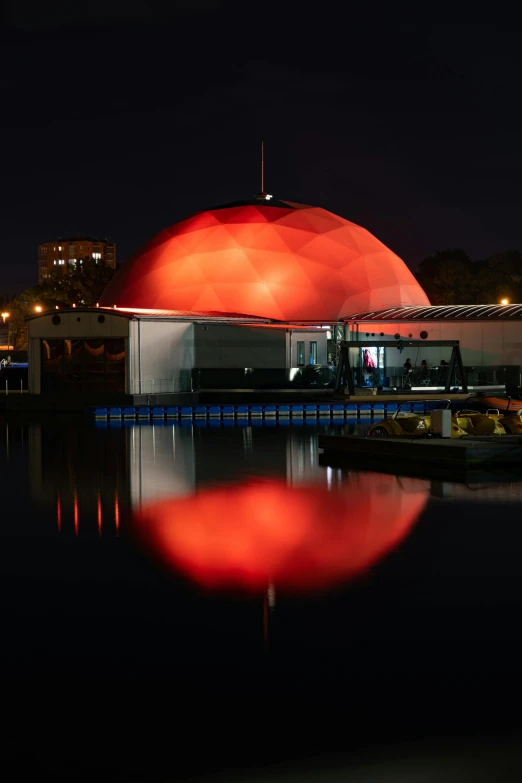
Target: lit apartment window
(59, 247)
(96, 255)
(54, 262)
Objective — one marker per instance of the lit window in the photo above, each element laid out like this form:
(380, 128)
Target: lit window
(54, 262)
(59, 247)
(313, 352)
(300, 353)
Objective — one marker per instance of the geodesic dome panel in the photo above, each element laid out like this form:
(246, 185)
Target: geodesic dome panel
(277, 260)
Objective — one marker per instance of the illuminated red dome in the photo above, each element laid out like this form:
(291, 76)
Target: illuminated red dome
(273, 259)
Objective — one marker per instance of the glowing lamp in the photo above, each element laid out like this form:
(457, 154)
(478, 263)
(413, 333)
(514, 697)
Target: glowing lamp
(38, 309)
(504, 301)
(297, 538)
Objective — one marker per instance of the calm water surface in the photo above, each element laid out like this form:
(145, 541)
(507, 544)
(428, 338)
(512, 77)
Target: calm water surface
(179, 600)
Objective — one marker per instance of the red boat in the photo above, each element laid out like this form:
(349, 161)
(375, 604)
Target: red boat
(503, 404)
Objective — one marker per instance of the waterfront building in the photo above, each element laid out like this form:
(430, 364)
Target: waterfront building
(258, 294)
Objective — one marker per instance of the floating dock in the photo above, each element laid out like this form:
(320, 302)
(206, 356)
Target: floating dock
(465, 452)
(358, 407)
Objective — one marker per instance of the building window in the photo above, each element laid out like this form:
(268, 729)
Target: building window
(313, 352)
(83, 365)
(300, 353)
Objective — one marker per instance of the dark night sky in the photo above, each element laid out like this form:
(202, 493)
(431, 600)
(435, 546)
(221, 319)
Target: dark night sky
(117, 123)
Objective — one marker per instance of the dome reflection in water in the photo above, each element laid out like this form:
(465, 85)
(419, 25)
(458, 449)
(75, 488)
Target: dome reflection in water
(303, 538)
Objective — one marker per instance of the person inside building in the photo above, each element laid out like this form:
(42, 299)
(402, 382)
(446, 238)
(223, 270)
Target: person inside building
(443, 369)
(406, 378)
(424, 372)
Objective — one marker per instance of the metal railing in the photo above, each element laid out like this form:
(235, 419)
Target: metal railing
(436, 376)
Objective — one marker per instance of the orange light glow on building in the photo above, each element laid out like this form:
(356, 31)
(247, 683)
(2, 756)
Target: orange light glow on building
(59, 512)
(75, 513)
(99, 514)
(281, 260)
(264, 532)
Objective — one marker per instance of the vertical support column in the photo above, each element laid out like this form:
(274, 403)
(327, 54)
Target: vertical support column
(451, 370)
(462, 371)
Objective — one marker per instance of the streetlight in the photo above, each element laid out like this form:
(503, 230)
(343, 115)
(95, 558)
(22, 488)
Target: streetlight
(38, 309)
(504, 301)
(5, 315)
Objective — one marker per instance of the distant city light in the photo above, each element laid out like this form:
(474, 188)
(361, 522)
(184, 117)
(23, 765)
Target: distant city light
(38, 309)
(504, 301)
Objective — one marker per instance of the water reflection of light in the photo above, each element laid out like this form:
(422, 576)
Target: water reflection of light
(116, 512)
(161, 463)
(59, 512)
(263, 531)
(99, 514)
(75, 512)
(329, 474)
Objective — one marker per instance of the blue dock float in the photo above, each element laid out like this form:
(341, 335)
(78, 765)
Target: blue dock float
(260, 412)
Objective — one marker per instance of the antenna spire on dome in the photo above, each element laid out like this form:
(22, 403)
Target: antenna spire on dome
(263, 196)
